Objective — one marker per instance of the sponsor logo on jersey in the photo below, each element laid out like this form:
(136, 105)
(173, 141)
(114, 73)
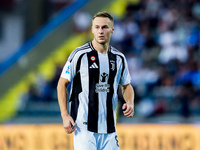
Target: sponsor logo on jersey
(102, 87)
(104, 77)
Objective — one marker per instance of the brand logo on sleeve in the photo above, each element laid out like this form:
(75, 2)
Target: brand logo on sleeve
(68, 69)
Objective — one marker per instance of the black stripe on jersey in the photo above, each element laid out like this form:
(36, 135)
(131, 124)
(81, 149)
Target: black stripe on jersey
(77, 88)
(123, 65)
(93, 96)
(77, 50)
(112, 74)
(91, 46)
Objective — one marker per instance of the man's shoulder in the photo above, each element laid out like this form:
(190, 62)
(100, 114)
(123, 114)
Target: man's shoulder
(116, 51)
(85, 46)
(79, 51)
(82, 48)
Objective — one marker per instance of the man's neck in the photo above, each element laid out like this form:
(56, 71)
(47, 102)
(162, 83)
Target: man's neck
(102, 48)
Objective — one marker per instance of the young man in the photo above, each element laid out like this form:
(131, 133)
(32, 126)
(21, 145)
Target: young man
(95, 71)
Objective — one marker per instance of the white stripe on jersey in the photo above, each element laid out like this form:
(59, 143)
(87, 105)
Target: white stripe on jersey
(102, 126)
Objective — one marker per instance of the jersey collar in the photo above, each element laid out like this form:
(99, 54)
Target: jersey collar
(90, 43)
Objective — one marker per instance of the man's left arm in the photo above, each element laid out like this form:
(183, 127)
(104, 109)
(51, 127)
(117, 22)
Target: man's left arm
(128, 94)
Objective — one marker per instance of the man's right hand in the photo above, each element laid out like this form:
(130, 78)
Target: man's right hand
(69, 124)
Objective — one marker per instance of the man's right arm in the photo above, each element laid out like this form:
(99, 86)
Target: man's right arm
(68, 122)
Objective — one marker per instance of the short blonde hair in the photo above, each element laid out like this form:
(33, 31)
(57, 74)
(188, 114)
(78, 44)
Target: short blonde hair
(103, 14)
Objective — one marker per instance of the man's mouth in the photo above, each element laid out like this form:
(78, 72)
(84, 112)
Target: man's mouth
(101, 37)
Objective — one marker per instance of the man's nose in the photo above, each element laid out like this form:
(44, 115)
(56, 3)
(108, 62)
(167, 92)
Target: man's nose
(100, 30)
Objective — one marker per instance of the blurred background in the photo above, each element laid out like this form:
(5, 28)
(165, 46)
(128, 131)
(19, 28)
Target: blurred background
(160, 39)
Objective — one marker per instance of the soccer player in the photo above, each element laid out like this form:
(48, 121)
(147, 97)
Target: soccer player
(95, 71)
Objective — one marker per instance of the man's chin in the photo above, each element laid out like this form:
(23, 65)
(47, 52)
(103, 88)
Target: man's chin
(101, 41)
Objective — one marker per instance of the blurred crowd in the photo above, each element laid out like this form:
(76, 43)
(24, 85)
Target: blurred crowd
(161, 42)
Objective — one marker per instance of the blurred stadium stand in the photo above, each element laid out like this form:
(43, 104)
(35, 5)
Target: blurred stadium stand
(161, 40)
(46, 45)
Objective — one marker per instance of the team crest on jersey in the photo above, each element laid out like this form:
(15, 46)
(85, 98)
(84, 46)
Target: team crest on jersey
(93, 58)
(112, 62)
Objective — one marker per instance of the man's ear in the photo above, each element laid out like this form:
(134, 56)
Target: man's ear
(113, 29)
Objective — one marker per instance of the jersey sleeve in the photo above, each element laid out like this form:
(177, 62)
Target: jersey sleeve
(125, 76)
(69, 69)
(66, 71)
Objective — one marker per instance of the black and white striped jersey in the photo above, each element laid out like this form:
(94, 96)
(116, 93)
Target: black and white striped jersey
(95, 78)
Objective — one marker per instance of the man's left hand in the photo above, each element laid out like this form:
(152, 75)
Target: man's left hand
(128, 110)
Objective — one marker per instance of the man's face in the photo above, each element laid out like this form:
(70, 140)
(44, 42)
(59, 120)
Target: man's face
(102, 28)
